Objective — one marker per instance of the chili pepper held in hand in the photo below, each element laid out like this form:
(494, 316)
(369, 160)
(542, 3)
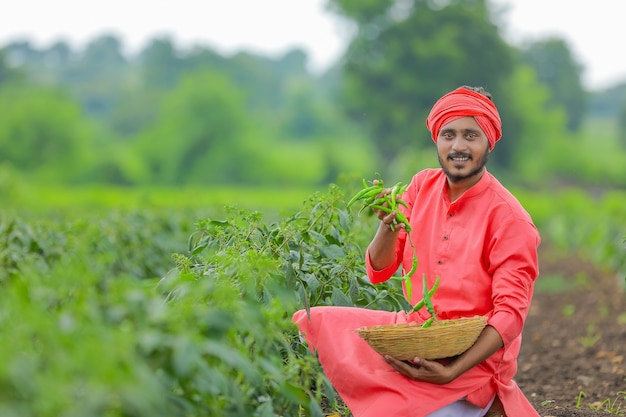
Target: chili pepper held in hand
(402, 219)
(428, 322)
(407, 278)
(368, 192)
(389, 203)
(427, 301)
(422, 302)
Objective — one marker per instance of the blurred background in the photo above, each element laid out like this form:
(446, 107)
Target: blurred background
(296, 95)
(143, 146)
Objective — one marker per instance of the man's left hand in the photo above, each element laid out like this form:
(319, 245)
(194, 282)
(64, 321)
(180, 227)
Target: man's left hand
(420, 369)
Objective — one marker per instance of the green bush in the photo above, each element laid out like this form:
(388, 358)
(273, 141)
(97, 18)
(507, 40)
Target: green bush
(89, 333)
(264, 273)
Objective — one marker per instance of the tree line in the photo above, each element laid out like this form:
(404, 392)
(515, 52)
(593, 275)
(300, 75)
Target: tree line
(174, 116)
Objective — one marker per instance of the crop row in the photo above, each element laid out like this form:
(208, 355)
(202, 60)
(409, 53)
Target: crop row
(158, 313)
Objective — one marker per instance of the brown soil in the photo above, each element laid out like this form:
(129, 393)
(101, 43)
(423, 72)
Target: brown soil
(575, 341)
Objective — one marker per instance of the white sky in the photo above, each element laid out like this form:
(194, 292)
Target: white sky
(593, 29)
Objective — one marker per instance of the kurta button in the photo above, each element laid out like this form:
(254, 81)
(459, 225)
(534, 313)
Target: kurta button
(450, 214)
(439, 261)
(445, 238)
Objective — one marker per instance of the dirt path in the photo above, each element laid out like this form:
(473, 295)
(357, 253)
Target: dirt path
(575, 341)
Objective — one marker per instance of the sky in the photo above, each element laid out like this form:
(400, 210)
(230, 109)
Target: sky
(272, 27)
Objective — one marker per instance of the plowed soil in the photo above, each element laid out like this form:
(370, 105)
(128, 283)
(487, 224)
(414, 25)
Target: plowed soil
(573, 357)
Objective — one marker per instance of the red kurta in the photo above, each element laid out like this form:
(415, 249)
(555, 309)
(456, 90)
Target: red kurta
(483, 246)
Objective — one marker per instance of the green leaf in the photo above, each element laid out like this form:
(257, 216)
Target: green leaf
(332, 252)
(312, 282)
(353, 290)
(339, 298)
(317, 237)
(314, 408)
(233, 358)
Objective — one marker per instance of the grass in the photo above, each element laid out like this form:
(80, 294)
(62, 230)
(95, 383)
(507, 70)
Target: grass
(615, 405)
(46, 199)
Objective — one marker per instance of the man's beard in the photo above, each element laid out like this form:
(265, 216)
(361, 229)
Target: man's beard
(460, 177)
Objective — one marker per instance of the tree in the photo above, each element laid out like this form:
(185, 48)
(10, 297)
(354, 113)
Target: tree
(58, 55)
(158, 68)
(98, 75)
(540, 129)
(8, 74)
(44, 133)
(406, 54)
(608, 103)
(622, 127)
(196, 137)
(160, 64)
(103, 57)
(556, 68)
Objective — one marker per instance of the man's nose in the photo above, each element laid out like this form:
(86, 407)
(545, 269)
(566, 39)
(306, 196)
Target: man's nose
(458, 143)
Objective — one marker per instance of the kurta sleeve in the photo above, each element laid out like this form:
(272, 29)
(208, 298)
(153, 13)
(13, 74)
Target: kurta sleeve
(513, 263)
(375, 276)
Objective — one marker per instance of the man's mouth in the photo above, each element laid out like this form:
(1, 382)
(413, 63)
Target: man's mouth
(459, 158)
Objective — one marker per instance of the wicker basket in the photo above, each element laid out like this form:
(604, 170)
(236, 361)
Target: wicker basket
(442, 339)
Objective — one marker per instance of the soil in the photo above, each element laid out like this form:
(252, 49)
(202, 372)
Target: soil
(573, 356)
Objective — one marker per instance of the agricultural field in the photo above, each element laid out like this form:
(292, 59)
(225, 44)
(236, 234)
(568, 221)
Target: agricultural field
(573, 358)
(178, 303)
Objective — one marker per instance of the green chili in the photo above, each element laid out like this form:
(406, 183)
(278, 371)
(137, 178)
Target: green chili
(428, 322)
(422, 302)
(427, 301)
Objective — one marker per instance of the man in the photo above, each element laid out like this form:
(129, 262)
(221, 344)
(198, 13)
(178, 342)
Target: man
(473, 234)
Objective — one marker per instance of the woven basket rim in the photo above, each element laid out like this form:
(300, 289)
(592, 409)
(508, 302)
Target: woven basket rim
(417, 326)
(459, 322)
(444, 338)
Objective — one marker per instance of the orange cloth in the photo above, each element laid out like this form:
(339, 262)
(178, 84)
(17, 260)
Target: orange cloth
(483, 247)
(462, 103)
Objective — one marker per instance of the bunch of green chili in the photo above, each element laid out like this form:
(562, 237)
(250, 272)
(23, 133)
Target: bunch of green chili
(372, 196)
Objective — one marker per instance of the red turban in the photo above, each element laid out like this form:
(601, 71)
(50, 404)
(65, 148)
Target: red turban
(463, 102)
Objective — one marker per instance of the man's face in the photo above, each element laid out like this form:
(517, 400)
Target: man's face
(463, 149)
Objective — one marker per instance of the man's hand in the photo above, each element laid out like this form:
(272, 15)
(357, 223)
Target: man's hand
(435, 372)
(422, 370)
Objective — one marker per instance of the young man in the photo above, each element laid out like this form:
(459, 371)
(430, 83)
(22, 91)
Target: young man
(473, 234)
